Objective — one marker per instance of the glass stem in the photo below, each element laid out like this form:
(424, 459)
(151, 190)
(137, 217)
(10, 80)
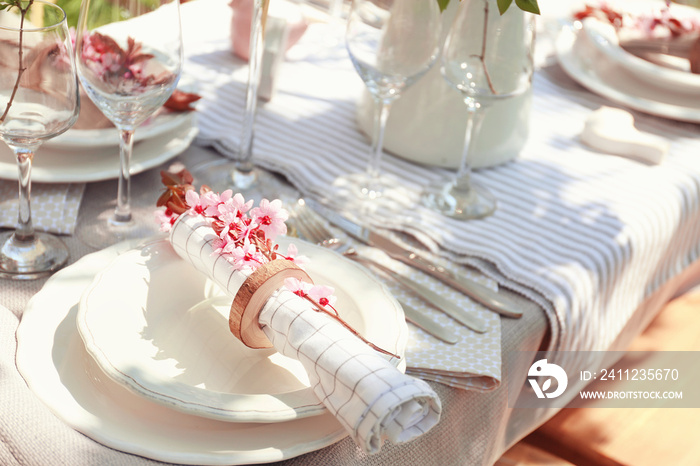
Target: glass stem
(244, 162)
(381, 116)
(475, 116)
(335, 8)
(122, 213)
(25, 230)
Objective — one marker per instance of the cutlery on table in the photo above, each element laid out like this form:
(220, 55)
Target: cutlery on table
(501, 304)
(314, 229)
(426, 294)
(419, 319)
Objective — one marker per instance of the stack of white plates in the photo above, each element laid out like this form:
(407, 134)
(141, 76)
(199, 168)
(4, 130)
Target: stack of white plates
(674, 76)
(590, 52)
(93, 155)
(137, 355)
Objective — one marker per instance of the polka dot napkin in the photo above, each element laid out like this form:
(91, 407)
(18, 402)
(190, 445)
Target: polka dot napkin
(54, 206)
(475, 361)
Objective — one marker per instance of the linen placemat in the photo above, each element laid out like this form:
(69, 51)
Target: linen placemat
(54, 206)
(474, 362)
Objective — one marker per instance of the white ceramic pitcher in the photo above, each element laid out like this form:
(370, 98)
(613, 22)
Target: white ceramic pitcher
(427, 123)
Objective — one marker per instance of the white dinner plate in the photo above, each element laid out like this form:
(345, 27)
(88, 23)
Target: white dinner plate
(52, 359)
(604, 37)
(592, 69)
(109, 137)
(149, 322)
(53, 165)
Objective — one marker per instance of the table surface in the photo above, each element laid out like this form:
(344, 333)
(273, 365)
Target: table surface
(476, 427)
(491, 408)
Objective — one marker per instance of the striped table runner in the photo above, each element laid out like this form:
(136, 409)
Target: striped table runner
(585, 234)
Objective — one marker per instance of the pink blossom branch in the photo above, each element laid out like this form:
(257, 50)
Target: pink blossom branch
(21, 70)
(482, 57)
(349, 328)
(269, 215)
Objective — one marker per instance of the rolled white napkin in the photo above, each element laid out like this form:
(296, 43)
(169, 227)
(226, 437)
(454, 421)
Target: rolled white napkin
(371, 398)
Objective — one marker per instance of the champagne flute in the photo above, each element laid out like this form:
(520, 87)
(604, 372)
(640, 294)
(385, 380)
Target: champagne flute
(488, 57)
(128, 67)
(241, 174)
(392, 43)
(39, 100)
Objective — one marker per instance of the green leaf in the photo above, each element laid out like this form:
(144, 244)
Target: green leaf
(443, 4)
(9, 4)
(528, 5)
(503, 5)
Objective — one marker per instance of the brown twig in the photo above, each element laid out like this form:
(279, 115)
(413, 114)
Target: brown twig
(350, 329)
(482, 57)
(21, 70)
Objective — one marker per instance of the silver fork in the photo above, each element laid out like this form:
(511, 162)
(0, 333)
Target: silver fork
(313, 228)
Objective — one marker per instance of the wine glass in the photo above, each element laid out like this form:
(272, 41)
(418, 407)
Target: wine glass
(392, 43)
(39, 100)
(488, 57)
(128, 67)
(241, 174)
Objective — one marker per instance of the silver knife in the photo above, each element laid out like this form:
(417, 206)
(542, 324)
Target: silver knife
(430, 297)
(426, 323)
(398, 277)
(489, 298)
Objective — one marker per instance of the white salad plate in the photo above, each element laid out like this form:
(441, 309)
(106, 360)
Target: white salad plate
(155, 126)
(592, 69)
(605, 38)
(53, 361)
(54, 165)
(159, 327)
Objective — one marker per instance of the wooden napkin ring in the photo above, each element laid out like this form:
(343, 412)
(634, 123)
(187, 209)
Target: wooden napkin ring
(252, 296)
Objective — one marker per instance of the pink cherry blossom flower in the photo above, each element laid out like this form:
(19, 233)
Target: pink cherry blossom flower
(165, 218)
(230, 227)
(270, 217)
(297, 286)
(195, 202)
(236, 205)
(231, 213)
(245, 255)
(214, 200)
(323, 295)
(320, 294)
(211, 201)
(293, 255)
(222, 246)
(238, 228)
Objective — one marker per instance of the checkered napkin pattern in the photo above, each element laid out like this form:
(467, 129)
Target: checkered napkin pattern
(370, 397)
(54, 206)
